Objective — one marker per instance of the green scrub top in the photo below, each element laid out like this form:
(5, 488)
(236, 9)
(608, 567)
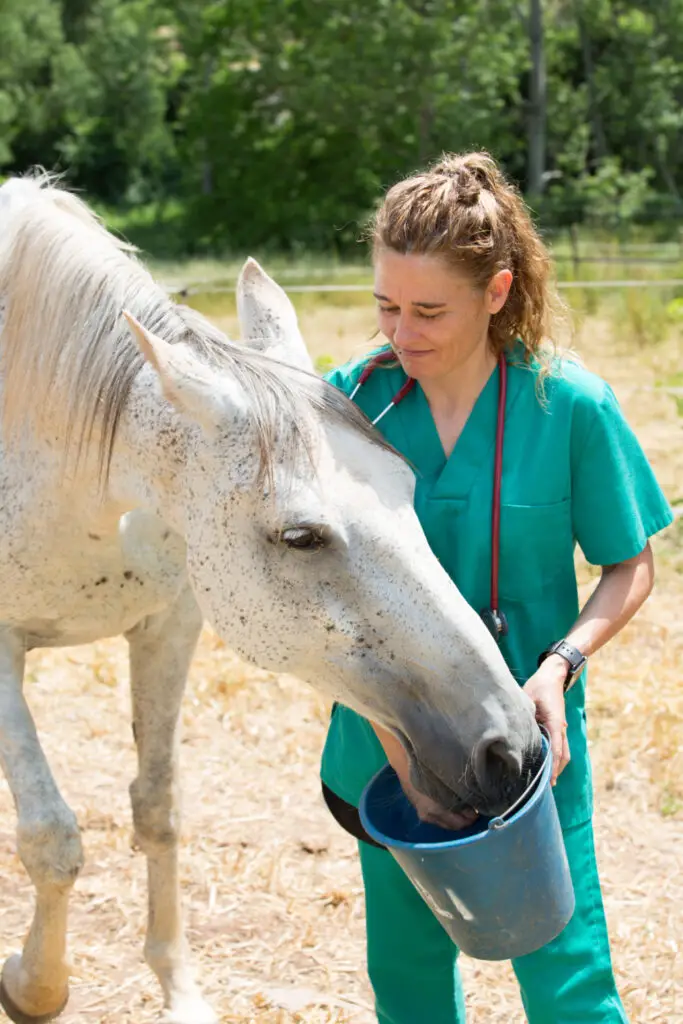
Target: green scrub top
(573, 472)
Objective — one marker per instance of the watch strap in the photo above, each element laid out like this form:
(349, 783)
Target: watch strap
(576, 661)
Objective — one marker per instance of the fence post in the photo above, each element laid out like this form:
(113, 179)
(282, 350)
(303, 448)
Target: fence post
(576, 258)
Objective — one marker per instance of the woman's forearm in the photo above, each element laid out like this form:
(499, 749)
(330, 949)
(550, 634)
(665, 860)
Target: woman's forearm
(622, 589)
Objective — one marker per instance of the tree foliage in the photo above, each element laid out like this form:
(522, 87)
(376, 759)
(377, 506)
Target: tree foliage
(279, 122)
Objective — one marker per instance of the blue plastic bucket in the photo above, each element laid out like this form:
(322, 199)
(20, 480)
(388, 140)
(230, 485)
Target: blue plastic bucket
(501, 887)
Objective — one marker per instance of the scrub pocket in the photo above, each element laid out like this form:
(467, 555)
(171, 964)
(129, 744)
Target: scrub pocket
(537, 542)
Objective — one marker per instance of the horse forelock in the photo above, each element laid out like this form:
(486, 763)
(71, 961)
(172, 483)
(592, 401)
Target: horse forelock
(69, 361)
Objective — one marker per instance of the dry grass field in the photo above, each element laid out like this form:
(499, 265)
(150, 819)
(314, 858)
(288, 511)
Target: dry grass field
(272, 886)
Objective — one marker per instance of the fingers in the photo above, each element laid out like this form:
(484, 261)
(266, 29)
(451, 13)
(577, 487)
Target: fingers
(557, 746)
(560, 748)
(554, 723)
(566, 752)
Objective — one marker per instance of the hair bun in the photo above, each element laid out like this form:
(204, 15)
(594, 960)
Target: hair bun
(472, 174)
(469, 187)
(448, 166)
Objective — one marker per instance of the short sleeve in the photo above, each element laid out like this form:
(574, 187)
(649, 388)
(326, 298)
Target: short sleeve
(617, 503)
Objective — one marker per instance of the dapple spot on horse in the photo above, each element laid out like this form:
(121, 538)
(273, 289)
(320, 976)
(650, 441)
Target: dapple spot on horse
(154, 475)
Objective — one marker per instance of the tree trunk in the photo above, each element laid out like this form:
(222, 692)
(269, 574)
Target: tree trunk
(207, 163)
(599, 138)
(426, 117)
(537, 101)
(662, 161)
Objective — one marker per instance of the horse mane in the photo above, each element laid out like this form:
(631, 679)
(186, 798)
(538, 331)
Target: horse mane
(68, 358)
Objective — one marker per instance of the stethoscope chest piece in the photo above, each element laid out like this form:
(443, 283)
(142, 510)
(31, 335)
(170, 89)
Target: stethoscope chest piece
(495, 621)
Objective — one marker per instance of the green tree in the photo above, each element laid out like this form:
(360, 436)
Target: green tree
(279, 122)
(85, 87)
(30, 36)
(115, 85)
(306, 110)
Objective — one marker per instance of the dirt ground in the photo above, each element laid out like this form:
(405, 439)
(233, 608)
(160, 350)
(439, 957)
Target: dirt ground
(272, 887)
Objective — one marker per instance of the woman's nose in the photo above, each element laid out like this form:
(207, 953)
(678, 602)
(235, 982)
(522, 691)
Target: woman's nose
(403, 333)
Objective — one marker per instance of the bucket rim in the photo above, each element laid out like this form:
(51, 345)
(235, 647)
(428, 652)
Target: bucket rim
(448, 844)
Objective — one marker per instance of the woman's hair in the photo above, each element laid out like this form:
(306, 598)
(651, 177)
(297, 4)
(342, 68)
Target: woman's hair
(464, 211)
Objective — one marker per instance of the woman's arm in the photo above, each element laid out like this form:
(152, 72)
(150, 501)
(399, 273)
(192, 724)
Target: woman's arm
(622, 589)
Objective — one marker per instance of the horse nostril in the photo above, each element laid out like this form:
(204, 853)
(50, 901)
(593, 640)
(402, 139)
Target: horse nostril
(495, 764)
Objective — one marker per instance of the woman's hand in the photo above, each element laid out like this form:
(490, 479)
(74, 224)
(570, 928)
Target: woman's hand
(546, 689)
(427, 809)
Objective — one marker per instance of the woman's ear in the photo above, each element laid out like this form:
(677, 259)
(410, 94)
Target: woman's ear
(498, 290)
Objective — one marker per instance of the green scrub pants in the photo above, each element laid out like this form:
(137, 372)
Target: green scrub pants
(412, 962)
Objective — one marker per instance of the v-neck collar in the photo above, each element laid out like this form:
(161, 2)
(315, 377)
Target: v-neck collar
(453, 477)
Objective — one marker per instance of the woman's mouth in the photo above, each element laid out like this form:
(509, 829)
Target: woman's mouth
(414, 353)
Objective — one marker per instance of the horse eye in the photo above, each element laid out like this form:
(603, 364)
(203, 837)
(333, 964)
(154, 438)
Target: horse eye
(303, 538)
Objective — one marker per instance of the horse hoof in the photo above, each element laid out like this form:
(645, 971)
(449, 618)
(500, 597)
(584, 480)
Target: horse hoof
(189, 1011)
(18, 1016)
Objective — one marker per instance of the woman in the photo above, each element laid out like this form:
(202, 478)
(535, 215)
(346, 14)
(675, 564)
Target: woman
(461, 277)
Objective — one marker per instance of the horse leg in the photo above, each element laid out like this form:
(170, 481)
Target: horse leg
(35, 985)
(161, 649)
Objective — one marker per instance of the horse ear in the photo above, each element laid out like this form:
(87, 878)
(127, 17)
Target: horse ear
(186, 382)
(268, 319)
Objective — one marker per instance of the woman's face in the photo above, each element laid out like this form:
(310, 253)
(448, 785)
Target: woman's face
(433, 315)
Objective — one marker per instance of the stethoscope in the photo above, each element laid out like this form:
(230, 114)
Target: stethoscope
(494, 619)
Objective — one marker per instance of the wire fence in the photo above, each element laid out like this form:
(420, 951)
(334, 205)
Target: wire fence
(654, 261)
(210, 288)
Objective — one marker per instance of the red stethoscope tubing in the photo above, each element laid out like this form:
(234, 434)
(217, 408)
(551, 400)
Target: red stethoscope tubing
(384, 357)
(497, 623)
(497, 481)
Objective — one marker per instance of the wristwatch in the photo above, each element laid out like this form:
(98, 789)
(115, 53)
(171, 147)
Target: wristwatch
(576, 661)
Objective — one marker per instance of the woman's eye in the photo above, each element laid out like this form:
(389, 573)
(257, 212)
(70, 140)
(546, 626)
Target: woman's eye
(391, 310)
(303, 539)
(428, 316)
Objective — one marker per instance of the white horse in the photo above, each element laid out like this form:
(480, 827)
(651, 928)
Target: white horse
(156, 477)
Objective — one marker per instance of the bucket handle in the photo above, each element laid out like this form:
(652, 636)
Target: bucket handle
(502, 819)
